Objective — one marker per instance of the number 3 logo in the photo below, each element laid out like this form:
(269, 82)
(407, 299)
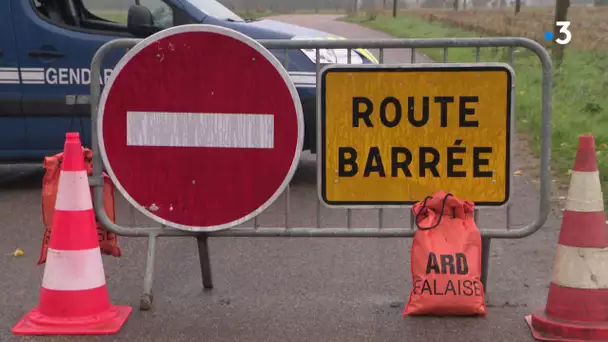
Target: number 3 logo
(563, 25)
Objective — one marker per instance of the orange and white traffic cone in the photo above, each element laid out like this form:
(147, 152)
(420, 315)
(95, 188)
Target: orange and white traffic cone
(74, 298)
(577, 304)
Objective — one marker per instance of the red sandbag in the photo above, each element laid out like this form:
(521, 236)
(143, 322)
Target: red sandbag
(446, 259)
(108, 242)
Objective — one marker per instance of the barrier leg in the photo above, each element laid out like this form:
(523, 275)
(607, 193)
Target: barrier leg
(485, 262)
(203, 254)
(145, 303)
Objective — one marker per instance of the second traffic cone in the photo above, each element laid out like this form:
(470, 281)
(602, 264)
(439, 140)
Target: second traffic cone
(74, 298)
(577, 304)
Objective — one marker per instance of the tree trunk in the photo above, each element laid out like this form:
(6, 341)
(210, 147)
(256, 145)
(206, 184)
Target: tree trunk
(395, 8)
(561, 14)
(456, 5)
(517, 6)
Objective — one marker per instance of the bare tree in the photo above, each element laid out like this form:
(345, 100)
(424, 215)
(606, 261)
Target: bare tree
(561, 14)
(517, 6)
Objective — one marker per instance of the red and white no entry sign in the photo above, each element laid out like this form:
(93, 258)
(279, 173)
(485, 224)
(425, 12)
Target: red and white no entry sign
(200, 127)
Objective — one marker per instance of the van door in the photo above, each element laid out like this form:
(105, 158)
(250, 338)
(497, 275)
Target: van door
(55, 56)
(63, 36)
(12, 123)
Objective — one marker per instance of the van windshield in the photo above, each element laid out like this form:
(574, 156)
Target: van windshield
(215, 9)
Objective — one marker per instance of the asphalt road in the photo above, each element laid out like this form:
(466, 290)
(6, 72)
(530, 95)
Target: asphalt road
(290, 289)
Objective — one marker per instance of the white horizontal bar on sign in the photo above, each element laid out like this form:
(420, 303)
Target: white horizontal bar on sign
(173, 129)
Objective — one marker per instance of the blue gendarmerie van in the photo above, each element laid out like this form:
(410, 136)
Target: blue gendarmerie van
(46, 47)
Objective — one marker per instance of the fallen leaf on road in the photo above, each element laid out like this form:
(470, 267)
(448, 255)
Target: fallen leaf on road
(518, 172)
(17, 253)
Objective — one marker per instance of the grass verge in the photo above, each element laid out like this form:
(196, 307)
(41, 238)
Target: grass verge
(580, 103)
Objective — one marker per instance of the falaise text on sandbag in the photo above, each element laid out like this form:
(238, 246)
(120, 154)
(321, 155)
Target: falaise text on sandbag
(455, 264)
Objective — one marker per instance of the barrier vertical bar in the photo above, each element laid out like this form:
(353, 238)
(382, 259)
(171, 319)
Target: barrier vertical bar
(512, 64)
(203, 252)
(380, 211)
(317, 200)
(412, 220)
(485, 241)
(147, 297)
(485, 261)
(288, 188)
(411, 214)
(204, 260)
(348, 211)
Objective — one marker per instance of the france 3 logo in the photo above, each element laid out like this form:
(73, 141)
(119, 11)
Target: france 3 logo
(565, 32)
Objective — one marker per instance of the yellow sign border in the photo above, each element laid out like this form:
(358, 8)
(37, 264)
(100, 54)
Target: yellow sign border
(422, 67)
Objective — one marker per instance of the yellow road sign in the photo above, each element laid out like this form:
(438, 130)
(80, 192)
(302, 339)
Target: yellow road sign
(390, 136)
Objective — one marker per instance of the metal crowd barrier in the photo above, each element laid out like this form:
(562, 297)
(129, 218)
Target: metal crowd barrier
(152, 233)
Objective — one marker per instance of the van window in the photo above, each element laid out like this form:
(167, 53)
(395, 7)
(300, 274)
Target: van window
(56, 12)
(161, 12)
(107, 16)
(117, 11)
